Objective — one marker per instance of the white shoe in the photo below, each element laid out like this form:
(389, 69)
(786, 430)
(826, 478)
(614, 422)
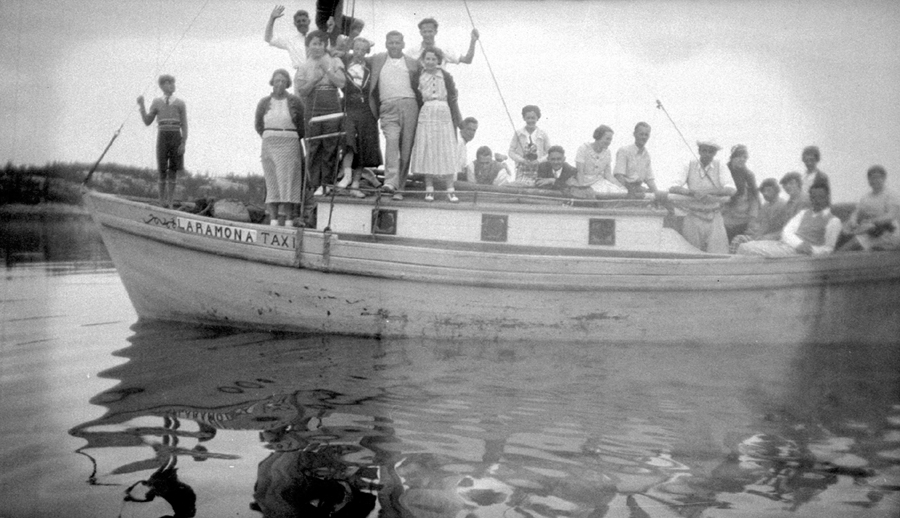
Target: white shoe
(319, 191)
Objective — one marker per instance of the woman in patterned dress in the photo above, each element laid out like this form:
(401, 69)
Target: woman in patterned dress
(279, 121)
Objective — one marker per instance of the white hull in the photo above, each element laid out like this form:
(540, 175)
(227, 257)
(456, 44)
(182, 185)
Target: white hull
(407, 288)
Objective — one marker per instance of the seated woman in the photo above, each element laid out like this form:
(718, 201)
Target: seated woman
(279, 121)
(435, 151)
(529, 147)
(484, 170)
(875, 224)
(772, 217)
(593, 162)
(743, 207)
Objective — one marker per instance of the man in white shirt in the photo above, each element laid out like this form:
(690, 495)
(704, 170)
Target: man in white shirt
(393, 102)
(812, 231)
(633, 168)
(428, 29)
(295, 45)
(707, 182)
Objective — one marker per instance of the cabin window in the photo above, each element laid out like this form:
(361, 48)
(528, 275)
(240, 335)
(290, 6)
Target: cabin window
(493, 227)
(602, 232)
(384, 221)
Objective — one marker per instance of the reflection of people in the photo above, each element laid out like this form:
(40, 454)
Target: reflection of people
(875, 224)
(594, 163)
(164, 483)
(171, 115)
(705, 180)
(743, 207)
(295, 45)
(279, 121)
(813, 231)
(529, 146)
(317, 483)
(435, 150)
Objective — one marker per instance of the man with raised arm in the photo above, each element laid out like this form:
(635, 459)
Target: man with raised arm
(428, 29)
(392, 100)
(706, 182)
(633, 168)
(295, 45)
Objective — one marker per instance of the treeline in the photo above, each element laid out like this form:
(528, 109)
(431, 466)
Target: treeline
(60, 182)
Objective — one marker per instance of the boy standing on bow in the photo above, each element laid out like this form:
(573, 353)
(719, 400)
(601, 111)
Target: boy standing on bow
(171, 115)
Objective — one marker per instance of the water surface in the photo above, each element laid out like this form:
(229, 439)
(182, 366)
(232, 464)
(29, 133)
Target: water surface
(98, 407)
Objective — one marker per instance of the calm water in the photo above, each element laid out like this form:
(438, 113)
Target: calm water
(97, 406)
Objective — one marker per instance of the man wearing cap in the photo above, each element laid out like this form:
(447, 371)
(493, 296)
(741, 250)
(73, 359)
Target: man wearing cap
(707, 182)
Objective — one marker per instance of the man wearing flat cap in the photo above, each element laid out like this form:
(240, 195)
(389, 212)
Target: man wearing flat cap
(708, 184)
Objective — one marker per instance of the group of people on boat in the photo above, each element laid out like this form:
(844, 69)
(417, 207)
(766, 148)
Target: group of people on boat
(341, 95)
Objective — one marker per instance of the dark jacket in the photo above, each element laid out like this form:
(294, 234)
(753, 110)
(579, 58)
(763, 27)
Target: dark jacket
(545, 170)
(294, 105)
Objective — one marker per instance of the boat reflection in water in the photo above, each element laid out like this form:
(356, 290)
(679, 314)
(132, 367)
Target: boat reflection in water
(223, 422)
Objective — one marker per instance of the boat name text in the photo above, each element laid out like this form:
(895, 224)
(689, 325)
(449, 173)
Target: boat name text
(285, 241)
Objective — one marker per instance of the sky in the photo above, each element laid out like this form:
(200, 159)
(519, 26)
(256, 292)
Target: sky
(772, 75)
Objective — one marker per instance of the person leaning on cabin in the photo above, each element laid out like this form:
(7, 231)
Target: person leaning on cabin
(743, 207)
(171, 115)
(361, 146)
(484, 170)
(594, 163)
(295, 45)
(279, 121)
(435, 150)
(529, 147)
(392, 100)
(317, 82)
(813, 231)
(771, 218)
(467, 130)
(811, 157)
(556, 173)
(875, 223)
(428, 29)
(633, 168)
(705, 181)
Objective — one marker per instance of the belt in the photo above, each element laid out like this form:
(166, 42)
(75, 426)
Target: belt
(326, 87)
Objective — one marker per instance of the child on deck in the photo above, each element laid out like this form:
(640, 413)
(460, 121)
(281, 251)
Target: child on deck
(171, 115)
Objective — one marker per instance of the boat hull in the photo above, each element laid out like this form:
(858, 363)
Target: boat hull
(319, 282)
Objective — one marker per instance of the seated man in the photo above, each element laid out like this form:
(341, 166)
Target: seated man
(484, 170)
(555, 173)
(772, 217)
(875, 224)
(813, 231)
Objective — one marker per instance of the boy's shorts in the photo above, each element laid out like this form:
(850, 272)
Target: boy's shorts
(169, 160)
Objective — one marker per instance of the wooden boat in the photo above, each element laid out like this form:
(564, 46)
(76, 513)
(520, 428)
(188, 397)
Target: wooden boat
(490, 268)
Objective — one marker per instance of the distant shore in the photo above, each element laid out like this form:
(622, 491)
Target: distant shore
(53, 210)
